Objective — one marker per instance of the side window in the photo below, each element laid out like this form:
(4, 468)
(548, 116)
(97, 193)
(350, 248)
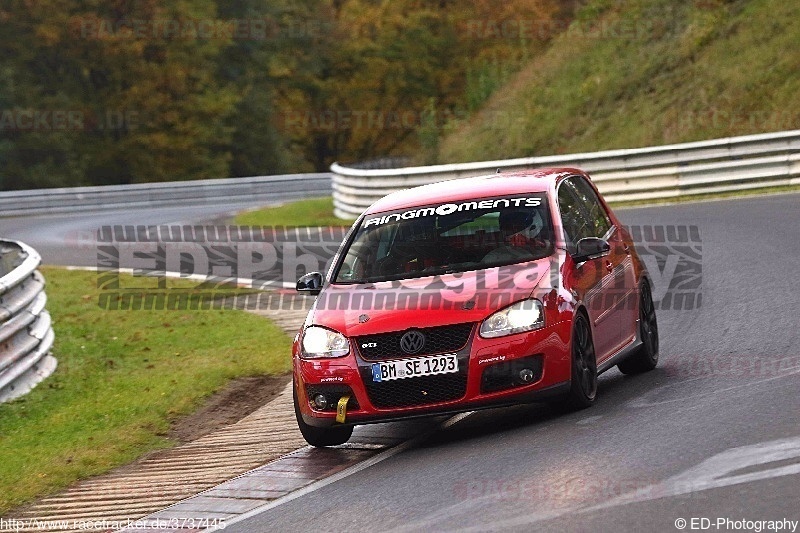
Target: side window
(595, 213)
(572, 216)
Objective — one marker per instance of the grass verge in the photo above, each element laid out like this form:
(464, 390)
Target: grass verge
(313, 212)
(123, 378)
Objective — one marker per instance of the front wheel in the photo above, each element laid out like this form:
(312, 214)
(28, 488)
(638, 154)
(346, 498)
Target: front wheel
(645, 358)
(320, 437)
(583, 386)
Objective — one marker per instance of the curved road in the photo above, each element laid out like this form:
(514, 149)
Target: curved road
(68, 239)
(713, 432)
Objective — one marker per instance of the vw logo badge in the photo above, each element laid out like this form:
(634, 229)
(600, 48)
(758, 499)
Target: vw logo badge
(412, 342)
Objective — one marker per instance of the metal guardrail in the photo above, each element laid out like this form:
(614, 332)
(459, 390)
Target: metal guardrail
(26, 333)
(198, 192)
(659, 172)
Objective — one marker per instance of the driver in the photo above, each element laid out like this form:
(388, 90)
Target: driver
(521, 233)
(521, 228)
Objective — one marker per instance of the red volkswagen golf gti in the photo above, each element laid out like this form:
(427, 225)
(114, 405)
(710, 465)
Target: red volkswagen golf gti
(472, 293)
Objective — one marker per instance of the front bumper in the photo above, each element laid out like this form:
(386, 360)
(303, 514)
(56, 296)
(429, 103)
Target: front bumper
(468, 390)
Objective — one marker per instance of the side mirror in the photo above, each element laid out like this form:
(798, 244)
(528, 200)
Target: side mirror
(310, 283)
(590, 248)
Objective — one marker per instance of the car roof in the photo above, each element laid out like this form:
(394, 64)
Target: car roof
(500, 184)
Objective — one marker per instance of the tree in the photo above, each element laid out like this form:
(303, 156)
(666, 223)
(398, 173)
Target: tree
(139, 81)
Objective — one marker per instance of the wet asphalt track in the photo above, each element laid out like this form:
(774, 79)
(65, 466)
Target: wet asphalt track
(67, 239)
(714, 432)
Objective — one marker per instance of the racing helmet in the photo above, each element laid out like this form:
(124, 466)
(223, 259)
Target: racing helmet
(527, 221)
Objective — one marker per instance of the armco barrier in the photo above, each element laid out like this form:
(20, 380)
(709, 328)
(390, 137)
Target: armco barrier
(199, 192)
(26, 333)
(659, 172)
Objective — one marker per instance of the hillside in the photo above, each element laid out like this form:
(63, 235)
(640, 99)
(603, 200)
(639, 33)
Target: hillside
(645, 72)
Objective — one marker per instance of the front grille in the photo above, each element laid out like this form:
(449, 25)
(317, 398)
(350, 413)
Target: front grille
(421, 390)
(441, 339)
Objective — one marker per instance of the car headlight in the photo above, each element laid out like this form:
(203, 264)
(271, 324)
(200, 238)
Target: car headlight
(321, 342)
(523, 316)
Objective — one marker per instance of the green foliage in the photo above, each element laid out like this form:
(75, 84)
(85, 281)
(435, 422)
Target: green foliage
(143, 109)
(257, 68)
(305, 83)
(309, 82)
(645, 72)
(415, 68)
(484, 79)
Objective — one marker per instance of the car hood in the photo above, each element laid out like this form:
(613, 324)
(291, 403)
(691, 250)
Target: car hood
(363, 309)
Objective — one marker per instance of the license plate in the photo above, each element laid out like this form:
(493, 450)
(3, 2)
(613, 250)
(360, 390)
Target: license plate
(412, 368)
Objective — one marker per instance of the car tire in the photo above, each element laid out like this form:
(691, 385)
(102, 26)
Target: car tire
(320, 437)
(583, 383)
(645, 358)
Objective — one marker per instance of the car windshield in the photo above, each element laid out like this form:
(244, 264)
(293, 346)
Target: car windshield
(447, 238)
